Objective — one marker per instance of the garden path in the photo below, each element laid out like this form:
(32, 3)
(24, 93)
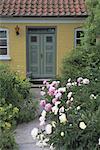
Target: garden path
(23, 131)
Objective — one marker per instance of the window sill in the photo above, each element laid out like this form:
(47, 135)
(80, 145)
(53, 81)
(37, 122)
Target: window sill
(5, 58)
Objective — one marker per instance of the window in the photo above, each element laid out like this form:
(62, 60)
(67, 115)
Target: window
(78, 35)
(4, 49)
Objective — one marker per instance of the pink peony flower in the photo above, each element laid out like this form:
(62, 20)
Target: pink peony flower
(58, 95)
(51, 90)
(54, 100)
(42, 103)
(56, 91)
(47, 85)
(79, 80)
(45, 81)
(54, 83)
(48, 107)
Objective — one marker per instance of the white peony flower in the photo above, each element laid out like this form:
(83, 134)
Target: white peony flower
(99, 141)
(42, 123)
(45, 142)
(58, 82)
(51, 147)
(43, 114)
(42, 118)
(71, 99)
(48, 129)
(69, 95)
(53, 83)
(62, 133)
(55, 109)
(78, 108)
(43, 88)
(92, 96)
(63, 118)
(61, 110)
(69, 80)
(68, 85)
(34, 133)
(74, 83)
(62, 89)
(57, 103)
(42, 93)
(41, 136)
(38, 137)
(53, 124)
(86, 81)
(68, 102)
(82, 125)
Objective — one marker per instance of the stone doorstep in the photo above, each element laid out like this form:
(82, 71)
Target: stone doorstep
(36, 85)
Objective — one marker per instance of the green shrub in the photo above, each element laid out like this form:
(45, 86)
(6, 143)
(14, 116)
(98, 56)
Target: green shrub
(85, 60)
(17, 92)
(7, 141)
(27, 110)
(70, 116)
(8, 113)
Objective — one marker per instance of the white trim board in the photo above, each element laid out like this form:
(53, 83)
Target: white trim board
(42, 20)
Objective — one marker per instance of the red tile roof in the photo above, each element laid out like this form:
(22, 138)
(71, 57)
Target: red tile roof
(42, 8)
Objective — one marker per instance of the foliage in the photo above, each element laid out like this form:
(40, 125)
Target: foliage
(7, 141)
(8, 113)
(70, 117)
(28, 110)
(85, 59)
(17, 92)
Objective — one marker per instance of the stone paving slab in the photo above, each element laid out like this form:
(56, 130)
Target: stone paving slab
(23, 131)
(23, 136)
(30, 147)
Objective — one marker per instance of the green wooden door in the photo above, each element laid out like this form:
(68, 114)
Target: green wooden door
(42, 55)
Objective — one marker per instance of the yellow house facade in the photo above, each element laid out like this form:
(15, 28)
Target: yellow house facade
(35, 46)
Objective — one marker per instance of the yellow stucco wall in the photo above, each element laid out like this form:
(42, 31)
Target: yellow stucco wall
(17, 44)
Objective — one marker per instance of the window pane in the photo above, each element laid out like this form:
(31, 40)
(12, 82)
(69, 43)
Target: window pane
(78, 42)
(49, 39)
(79, 34)
(3, 42)
(3, 34)
(33, 39)
(3, 51)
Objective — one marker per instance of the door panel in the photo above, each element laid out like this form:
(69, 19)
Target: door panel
(42, 55)
(34, 54)
(49, 55)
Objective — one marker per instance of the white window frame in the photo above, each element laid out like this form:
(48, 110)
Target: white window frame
(75, 37)
(5, 57)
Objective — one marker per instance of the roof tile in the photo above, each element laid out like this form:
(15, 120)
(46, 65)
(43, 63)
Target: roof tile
(42, 8)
